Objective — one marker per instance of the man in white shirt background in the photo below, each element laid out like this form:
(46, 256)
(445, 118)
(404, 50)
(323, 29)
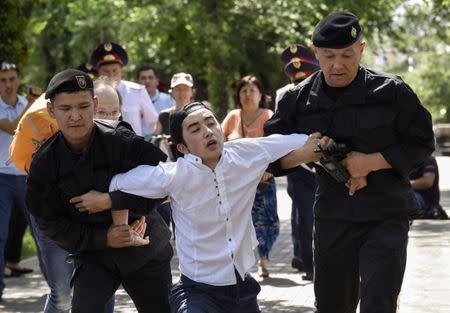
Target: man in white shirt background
(12, 180)
(212, 189)
(148, 76)
(137, 108)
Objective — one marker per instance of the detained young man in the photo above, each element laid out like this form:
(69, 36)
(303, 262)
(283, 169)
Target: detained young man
(212, 190)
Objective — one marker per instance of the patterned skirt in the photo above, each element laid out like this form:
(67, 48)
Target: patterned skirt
(265, 217)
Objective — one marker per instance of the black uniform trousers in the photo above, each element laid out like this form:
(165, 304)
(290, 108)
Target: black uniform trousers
(301, 189)
(359, 260)
(94, 284)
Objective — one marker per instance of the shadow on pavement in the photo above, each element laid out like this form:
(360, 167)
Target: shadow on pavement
(284, 307)
(24, 305)
(279, 282)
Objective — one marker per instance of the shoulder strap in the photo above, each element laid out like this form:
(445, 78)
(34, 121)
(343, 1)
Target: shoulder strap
(242, 123)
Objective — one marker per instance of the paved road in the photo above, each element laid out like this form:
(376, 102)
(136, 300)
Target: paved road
(426, 286)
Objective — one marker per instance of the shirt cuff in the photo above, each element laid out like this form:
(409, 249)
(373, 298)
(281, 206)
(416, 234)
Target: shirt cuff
(113, 184)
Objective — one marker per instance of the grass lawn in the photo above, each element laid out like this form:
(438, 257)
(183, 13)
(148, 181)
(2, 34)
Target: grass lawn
(28, 246)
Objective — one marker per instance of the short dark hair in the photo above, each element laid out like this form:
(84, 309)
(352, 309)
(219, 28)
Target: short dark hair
(9, 66)
(147, 68)
(249, 79)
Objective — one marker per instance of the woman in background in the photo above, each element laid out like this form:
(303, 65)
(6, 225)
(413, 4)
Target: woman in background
(248, 121)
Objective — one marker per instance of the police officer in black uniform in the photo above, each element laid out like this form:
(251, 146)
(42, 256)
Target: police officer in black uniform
(300, 63)
(361, 226)
(84, 155)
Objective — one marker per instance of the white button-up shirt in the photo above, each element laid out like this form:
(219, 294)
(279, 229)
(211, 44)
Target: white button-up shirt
(137, 108)
(212, 208)
(10, 113)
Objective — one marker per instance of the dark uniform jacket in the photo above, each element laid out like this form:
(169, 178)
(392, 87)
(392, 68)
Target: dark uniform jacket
(377, 112)
(57, 174)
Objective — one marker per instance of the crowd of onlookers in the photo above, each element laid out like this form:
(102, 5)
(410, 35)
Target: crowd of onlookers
(148, 109)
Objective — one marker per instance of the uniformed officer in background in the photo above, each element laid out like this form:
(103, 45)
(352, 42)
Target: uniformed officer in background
(361, 227)
(109, 59)
(300, 63)
(89, 69)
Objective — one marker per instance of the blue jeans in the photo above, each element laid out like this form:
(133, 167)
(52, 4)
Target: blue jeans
(420, 200)
(58, 273)
(189, 296)
(12, 192)
(165, 210)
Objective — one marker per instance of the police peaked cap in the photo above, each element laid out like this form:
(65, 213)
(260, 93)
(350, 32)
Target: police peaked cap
(297, 51)
(300, 62)
(88, 68)
(337, 31)
(69, 80)
(107, 53)
(298, 69)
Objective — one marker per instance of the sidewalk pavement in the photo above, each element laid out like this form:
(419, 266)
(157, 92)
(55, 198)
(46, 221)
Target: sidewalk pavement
(426, 286)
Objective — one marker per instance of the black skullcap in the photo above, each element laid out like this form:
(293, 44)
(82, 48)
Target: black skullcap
(336, 31)
(107, 53)
(69, 80)
(177, 118)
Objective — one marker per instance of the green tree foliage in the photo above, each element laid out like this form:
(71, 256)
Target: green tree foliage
(14, 16)
(218, 41)
(422, 56)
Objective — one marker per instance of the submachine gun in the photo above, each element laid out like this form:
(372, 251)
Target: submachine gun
(331, 161)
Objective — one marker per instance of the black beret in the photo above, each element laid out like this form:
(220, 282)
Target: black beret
(177, 118)
(297, 51)
(69, 80)
(336, 31)
(107, 53)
